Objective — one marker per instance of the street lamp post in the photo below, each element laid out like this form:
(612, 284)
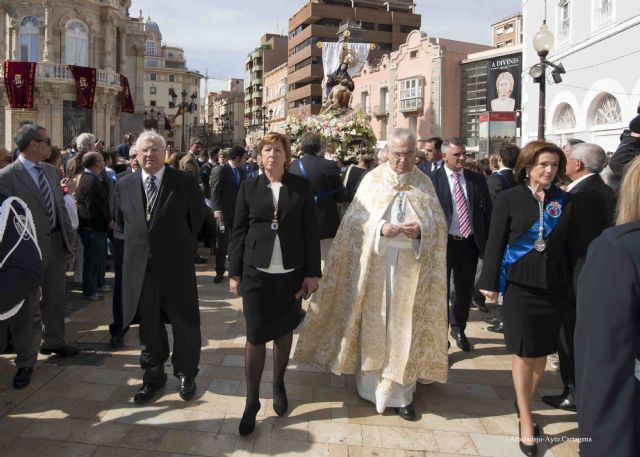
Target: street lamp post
(542, 43)
(266, 118)
(151, 119)
(223, 124)
(183, 108)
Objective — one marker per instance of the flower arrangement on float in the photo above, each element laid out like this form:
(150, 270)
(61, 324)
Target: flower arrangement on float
(348, 134)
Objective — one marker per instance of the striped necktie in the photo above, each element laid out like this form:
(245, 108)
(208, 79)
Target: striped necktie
(152, 195)
(46, 195)
(461, 205)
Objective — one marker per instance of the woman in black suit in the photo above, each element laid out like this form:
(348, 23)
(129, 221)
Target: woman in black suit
(526, 260)
(274, 262)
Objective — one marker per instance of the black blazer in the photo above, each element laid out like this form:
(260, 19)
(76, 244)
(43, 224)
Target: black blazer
(353, 181)
(499, 181)
(224, 191)
(594, 203)
(515, 212)
(478, 200)
(327, 186)
(164, 245)
(92, 198)
(607, 344)
(252, 238)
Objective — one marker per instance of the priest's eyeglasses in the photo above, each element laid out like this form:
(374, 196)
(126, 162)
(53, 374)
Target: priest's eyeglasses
(401, 155)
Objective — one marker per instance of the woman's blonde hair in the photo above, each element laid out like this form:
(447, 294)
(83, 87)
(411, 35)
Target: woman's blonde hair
(628, 199)
(272, 138)
(508, 76)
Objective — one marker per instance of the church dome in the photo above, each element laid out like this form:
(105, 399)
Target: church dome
(151, 26)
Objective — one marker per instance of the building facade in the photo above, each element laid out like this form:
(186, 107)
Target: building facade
(275, 98)
(225, 116)
(168, 85)
(416, 87)
(507, 32)
(271, 53)
(595, 41)
(386, 24)
(55, 34)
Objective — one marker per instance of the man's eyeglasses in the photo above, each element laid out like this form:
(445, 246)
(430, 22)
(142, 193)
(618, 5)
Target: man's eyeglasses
(429, 150)
(400, 155)
(459, 154)
(46, 140)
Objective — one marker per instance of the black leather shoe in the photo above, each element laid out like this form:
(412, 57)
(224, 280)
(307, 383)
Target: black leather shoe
(116, 342)
(566, 401)
(187, 387)
(22, 377)
(461, 340)
(536, 427)
(199, 260)
(146, 393)
(407, 413)
(248, 421)
(527, 449)
(492, 320)
(218, 279)
(480, 306)
(280, 402)
(64, 351)
(496, 328)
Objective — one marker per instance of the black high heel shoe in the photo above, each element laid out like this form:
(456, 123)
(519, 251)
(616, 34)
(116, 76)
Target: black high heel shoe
(527, 449)
(248, 421)
(280, 401)
(536, 427)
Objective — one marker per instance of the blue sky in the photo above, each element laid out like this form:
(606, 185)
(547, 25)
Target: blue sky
(217, 34)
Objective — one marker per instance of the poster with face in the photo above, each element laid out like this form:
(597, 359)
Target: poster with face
(504, 78)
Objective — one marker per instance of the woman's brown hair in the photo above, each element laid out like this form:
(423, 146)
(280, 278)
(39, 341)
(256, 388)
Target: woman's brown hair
(529, 156)
(272, 138)
(628, 209)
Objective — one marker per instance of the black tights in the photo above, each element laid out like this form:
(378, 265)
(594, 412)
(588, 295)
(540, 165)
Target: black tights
(254, 355)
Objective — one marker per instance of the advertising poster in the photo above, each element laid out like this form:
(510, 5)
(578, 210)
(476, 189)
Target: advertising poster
(504, 82)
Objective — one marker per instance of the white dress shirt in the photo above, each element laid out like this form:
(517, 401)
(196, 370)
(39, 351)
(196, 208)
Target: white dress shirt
(577, 181)
(454, 229)
(158, 176)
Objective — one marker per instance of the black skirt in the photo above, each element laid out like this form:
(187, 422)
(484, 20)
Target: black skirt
(532, 319)
(270, 308)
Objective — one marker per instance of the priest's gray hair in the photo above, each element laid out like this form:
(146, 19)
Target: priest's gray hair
(402, 134)
(591, 155)
(151, 135)
(86, 142)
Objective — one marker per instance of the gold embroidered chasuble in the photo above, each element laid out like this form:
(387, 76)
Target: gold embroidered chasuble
(346, 320)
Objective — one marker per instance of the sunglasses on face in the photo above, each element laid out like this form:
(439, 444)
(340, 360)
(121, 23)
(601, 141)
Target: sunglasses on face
(46, 140)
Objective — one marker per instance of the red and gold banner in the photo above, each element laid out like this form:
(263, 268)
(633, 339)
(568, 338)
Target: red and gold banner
(126, 102)
(20, 79)
(85, 85)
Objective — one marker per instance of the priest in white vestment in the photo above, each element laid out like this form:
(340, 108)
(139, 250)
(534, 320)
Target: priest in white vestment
(380, 311)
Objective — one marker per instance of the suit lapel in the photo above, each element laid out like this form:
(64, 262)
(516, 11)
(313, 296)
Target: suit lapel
(285, 196)
(136, 194)
(165, 193)
(470, 195)
(25, 177)
(445, 191)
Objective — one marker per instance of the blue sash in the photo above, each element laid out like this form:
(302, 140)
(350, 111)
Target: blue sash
(523, 245)
(317, 196)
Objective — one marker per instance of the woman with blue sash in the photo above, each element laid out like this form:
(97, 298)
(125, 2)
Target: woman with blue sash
(526, 259)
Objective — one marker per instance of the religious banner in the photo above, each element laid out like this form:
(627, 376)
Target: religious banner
(353, 54)
(126, 102)
(504, 78)
(85, 85)
(19, 79)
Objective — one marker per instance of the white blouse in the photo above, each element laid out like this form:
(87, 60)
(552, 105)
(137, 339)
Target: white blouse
(276, 266)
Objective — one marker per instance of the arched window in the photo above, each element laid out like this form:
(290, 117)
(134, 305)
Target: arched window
(150, 48)
(607, 111)
(566, 118)
(76, 43)
(29, 39)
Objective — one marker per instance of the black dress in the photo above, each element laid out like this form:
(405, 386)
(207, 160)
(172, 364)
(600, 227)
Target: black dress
(537, 287)
(270, 309)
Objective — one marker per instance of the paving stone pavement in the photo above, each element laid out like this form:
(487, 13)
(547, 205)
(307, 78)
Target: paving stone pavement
(84, 408)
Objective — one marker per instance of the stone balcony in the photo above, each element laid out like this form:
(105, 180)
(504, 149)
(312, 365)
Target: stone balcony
(51, 71)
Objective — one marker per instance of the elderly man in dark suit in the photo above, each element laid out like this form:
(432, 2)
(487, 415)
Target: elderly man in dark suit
(465, 199)
(160, 211)
(595, 204)
(327, 187)
(37, 183)
(225, 183)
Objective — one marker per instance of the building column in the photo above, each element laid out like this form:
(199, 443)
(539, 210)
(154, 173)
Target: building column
(107, 51)
(139, 100)
(12, 50)
(47, 53)
(3, 29)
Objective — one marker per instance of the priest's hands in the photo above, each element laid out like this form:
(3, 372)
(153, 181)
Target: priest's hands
(490, 295)
(410, 229)
(234, 285)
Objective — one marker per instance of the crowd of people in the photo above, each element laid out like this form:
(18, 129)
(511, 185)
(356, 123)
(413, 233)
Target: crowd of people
(392, 251)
